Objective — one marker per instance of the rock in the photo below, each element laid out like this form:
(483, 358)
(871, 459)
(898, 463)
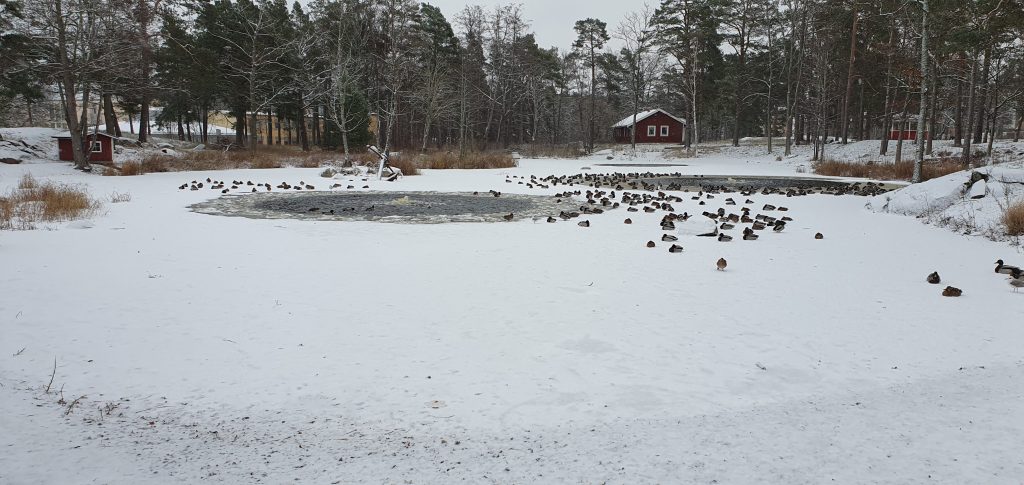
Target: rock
(10, 161)
(164, 145)
(978, 189)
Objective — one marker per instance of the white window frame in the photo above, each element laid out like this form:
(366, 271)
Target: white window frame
(651, 130)
(97, 147)
(664, 130)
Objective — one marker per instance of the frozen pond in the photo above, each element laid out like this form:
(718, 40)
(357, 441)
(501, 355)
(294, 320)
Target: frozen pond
(407, 207)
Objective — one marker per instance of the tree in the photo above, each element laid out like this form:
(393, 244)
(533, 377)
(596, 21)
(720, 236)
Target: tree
(643, 63)
(591, 35)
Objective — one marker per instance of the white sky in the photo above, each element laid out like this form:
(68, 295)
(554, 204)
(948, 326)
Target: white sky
(552, 21)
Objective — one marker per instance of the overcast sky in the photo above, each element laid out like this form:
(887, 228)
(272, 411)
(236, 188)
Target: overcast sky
(551, 20)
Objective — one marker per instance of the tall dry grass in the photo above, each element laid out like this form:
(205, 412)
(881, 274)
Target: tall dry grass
(1013, 218)
(473, 160)
(887, 171)
(570, 150)
(33, 202)
(205, 160)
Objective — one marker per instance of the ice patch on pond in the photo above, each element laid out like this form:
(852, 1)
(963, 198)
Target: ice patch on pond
(401, 207)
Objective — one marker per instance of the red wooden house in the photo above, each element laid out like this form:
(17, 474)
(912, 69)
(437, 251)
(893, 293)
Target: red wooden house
(99, 147)
(653, 126)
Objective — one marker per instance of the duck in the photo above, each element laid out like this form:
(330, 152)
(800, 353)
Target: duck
(668, 238)
(779, 226)
(952, 291)
(750, 237)
(934, 278)
(651, 244)
(1017, 280)
(721, 264)
(1004, 268)
(508, 217)
(822, 236)
(675, 248)
(724, 238)
(584, 223)
(627, 221)
(552, 219)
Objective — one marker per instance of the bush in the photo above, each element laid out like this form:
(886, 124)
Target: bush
(888, 171)
(1013, 218)
(36, 202)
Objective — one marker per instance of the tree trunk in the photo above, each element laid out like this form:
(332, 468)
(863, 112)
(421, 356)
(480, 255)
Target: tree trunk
(983, 93)
(887, 109)
(849, 75)
(144, 18)
(67, 90)
(922, 112)
(303, 130)
(971, 88)
(109, 117)
(958, 127)
(933, 109)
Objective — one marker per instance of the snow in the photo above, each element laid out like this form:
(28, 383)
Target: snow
(953, 201)
(236, 350)
(628, 121)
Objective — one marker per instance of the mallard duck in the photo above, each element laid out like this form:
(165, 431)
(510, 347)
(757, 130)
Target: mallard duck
(819, 236)
(1005, 269)
(721, 264)
(627, 221)
(952, 291)
(509, 216)
(668, 238)
(651, 244)
(934, 278)
(724, 238)
(1017, 280)
(552, 219)
(584, 224)
(675, 248)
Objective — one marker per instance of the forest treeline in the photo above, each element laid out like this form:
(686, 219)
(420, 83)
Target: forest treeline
(797, 71)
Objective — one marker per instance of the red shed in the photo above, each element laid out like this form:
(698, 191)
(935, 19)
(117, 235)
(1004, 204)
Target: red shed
(100, 147)
(653, 126)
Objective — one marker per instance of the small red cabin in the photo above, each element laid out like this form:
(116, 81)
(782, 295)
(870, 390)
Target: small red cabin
(99, 146)
(653, 126)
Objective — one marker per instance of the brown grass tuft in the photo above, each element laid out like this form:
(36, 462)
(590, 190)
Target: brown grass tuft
(475, 160)
(1014, 219)
(407, 166)
(27, 182)
(887, 171)
(571, 150)
(21, 208)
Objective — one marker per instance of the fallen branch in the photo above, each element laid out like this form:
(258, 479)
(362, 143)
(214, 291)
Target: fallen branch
(72, 405)
(51, 375)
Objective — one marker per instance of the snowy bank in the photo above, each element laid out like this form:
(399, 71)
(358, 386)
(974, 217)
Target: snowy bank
(971, 201)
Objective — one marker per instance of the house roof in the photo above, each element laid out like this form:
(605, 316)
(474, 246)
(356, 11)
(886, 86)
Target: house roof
(628, 121)
(67, 134)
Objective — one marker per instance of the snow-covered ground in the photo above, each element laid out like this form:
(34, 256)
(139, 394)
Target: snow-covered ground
(239, 351)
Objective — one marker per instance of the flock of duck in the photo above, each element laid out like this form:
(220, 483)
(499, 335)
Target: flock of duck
(639, 181)
(1016, 279)
(598, 201)
(249, 186)
(733, 212)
